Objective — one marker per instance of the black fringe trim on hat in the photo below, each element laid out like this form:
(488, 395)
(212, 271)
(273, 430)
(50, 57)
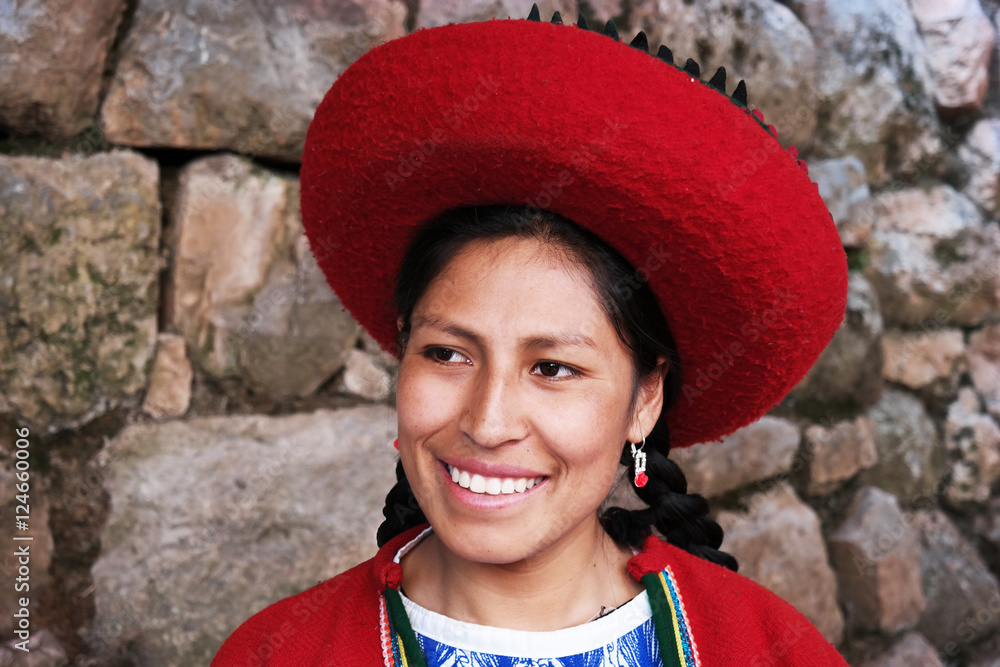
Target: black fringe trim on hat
(691, 67)
(640, 42)
(610, 30)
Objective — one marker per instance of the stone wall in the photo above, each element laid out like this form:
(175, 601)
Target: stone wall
(208, 430)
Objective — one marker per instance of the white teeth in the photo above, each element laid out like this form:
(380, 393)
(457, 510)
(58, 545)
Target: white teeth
(478, 484)
(492, 485)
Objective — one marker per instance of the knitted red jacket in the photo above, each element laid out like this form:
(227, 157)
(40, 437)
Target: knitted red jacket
(733, 621)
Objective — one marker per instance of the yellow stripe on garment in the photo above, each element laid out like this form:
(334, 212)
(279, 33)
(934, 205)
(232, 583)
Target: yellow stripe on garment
(675, 626)
(402, 652)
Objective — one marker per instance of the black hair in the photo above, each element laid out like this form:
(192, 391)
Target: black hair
(681, 518)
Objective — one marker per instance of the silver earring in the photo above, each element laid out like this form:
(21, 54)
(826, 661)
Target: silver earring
(639, 457)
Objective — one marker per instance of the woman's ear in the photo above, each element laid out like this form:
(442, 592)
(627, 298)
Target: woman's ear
(400, 343)
(649, 401)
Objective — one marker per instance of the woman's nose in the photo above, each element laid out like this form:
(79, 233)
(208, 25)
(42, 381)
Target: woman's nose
(493, 412)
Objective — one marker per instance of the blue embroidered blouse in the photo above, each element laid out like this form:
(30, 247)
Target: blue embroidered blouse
(623, 638)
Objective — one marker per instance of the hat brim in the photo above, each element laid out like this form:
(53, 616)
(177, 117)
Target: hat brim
(685, 183)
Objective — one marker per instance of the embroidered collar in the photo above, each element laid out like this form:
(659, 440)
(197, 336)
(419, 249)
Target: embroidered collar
(401, 647)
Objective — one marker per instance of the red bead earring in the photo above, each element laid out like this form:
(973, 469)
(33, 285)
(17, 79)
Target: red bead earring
(640, 464)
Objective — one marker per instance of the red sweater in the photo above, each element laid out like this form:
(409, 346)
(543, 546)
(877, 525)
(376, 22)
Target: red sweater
(733, 621)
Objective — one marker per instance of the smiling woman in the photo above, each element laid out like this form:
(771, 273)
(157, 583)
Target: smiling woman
(534, 365)
(522, 368)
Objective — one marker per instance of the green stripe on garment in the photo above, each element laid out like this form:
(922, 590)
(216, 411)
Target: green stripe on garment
(401, 623)
(663, 620)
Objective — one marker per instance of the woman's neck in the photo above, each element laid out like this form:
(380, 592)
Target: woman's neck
(566, 585)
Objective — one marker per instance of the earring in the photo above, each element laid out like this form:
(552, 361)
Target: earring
(640, 464)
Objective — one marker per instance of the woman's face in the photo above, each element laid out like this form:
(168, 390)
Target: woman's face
(513, 400)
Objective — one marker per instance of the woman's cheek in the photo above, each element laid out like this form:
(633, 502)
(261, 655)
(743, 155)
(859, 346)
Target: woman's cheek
(425, 402)
(580, 419)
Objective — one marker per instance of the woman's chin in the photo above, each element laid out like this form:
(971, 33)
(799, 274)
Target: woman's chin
(506, 540)
(488, 545)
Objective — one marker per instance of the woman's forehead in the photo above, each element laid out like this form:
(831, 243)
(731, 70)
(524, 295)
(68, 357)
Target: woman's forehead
(541, 247)
(513, 268)
(480, 258)
(525, 292)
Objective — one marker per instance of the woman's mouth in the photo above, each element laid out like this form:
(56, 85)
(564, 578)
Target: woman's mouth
(493, 486)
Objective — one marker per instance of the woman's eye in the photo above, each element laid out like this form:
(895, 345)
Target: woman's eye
(445, 355)
(552, 369)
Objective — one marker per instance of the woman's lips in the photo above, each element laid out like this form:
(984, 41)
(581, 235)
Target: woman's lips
(474, 467)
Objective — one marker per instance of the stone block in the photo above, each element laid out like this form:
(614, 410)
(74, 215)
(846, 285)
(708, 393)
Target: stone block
(365, 378)
(843, 185)
(245, 290)
(755, 452)
(169, 393)
(79, 284)
(214, 518)
(963, 597)
(918, 359)
(52, 57)
(972, 440)
(838, 453)
(910, 651)
(779, 544)
(933, 259)
(909, 458)
(979, 157)
(984, 366)
(433, 13)
(228, 75)
(877, 559)
(874, 103)
(959, 39)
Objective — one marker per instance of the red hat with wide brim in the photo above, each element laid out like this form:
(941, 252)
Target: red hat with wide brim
(684, 181)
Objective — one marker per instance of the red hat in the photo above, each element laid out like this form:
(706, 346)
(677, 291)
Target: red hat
(687, 183)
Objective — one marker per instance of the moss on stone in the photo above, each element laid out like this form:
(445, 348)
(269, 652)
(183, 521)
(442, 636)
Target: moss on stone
(948, 252)
(857, 259)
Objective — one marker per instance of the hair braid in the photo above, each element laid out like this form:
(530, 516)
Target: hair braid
(680, 517)
(401, 510)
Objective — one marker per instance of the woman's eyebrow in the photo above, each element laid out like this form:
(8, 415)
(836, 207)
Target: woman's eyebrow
(447, 327)
(539, 341)
(558, 340)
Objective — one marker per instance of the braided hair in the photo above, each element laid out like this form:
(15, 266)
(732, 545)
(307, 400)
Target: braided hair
(679, 517)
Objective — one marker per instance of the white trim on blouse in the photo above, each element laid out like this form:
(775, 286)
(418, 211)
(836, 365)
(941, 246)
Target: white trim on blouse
(583, 638)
